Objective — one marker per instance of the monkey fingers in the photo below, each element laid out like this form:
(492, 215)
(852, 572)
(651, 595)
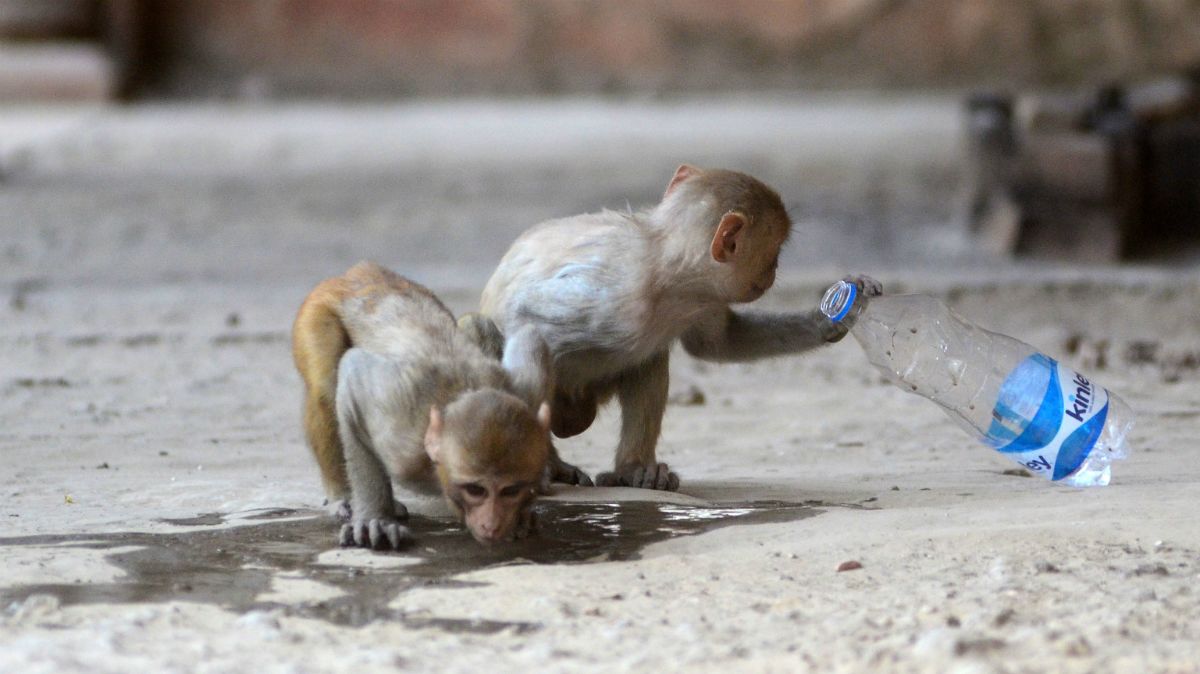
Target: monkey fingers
(562, 472)
(377, 534)
(527, 525)
(656, 476)
(833, 332)
(866, 285)
(867, 288)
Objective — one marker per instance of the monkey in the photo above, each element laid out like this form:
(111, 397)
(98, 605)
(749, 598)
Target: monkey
(395, 391)
(610, 292)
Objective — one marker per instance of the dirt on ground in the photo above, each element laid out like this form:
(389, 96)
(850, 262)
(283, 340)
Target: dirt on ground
(160, 512)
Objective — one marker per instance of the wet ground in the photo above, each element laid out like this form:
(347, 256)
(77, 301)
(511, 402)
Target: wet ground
(232, 566)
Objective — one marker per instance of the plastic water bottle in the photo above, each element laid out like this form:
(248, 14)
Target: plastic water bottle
(1048, 418)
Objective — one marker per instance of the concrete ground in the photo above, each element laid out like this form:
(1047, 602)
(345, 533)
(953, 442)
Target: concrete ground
(160, 510)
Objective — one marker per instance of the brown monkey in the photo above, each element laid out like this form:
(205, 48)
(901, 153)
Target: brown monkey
(610, 292)
(395, 391)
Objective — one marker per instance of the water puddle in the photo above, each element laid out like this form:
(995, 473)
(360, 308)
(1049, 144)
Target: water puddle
(232, 567)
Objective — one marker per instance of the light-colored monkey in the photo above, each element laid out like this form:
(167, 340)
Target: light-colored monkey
(610, 292)
(395, 391)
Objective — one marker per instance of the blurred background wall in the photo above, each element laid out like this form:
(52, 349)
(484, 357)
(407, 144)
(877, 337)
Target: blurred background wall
(905, 129)
(390, 48)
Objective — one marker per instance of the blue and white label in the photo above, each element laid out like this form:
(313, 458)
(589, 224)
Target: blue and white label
(1048, 417)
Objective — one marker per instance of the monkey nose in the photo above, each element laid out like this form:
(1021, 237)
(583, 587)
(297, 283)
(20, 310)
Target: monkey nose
(489, 535)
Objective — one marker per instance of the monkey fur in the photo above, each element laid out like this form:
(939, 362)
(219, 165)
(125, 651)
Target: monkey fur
(395, 391)
(610, 292)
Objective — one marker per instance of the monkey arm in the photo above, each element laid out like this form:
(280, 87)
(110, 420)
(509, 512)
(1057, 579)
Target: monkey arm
(373, 522)
(370, 485)
(733, 336)
(741, 336)
(530, 366)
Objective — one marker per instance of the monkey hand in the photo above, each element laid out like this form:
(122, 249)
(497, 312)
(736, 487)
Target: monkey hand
(867, 288)
(562, 472)
(381, 533)
(654, 476)
(527, 525)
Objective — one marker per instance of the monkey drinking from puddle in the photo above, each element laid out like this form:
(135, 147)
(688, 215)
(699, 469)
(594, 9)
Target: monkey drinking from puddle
(610, 292)
(395, 391)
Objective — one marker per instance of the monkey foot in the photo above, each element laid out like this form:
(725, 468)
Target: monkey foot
(338, 509)
(377, 534)
(656, 476)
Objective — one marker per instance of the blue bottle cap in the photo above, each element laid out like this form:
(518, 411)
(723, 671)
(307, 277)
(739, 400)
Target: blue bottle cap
(839, 300)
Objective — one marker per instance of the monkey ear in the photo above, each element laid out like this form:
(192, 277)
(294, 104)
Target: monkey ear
(681, 174)
(543, 416)
(729, 234)
(433, 435)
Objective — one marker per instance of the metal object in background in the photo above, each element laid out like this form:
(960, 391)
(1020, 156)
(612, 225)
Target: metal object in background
(1106, 175)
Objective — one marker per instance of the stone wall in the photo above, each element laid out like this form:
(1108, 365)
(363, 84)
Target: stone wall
(389, 47)
(385, 48)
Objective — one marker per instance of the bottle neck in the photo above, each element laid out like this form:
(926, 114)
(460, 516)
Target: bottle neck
(840, 302)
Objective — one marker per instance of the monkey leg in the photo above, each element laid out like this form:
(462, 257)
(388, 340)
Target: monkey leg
(320, 427)
(318, 342)
(374, 522)
(642, 393)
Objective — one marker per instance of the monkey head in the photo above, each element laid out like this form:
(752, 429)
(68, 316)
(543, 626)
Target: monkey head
(743, 224)
(489, 450)
(750, 251)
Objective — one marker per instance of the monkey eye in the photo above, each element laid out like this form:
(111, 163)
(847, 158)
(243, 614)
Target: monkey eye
(474, 490)
(512, 490)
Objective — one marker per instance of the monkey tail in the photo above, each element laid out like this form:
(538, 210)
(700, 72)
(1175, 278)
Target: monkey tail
(319, 338)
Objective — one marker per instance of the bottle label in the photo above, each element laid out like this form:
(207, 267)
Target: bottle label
(1048, 417)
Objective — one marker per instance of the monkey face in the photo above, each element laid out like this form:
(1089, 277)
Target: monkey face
(489, 451)
(493, 509)
(754, 270)
(760, 280)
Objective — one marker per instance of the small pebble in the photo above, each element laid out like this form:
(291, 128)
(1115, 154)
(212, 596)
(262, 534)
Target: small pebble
(1004, 617)
(691, 396)
(851, 565)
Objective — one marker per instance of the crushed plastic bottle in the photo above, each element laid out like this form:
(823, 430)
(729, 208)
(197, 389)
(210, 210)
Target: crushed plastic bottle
(1050, 419)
